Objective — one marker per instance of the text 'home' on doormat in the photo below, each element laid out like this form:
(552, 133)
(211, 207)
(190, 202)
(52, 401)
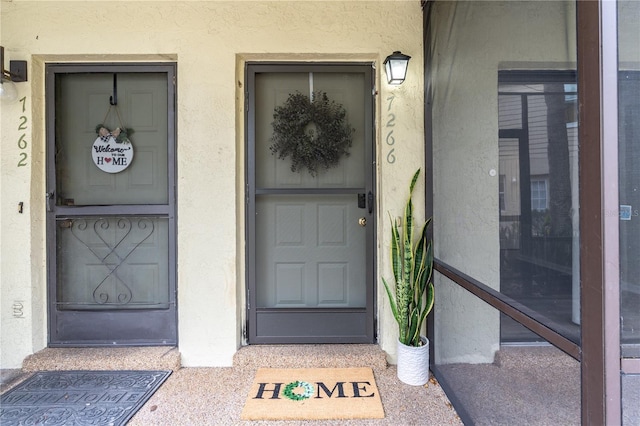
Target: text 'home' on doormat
(313, 394)
(79, 397)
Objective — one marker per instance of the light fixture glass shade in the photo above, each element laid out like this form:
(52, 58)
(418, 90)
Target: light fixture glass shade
(396, 67)
(8, 91)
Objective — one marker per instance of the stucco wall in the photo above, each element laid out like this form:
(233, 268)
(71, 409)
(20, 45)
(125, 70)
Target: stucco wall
(210, 42)
(471, 41)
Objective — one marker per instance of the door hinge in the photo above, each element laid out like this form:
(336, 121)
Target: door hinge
(246, 101)
(245, 329)
(67, 223)
(50, 201)
(376, 330)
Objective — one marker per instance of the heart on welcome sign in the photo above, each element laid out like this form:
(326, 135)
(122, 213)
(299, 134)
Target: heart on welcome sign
(108, 160)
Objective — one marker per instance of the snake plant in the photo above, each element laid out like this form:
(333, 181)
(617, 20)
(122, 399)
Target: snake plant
(412, 298)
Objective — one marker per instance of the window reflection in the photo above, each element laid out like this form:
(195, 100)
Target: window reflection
(539, 240)
(629, 166)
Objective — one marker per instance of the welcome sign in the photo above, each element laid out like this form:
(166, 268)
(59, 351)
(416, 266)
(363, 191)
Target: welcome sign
(313, 394)
(110, 155)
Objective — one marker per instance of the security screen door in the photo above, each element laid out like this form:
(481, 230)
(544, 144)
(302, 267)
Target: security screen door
(111, 213)
(310, 233)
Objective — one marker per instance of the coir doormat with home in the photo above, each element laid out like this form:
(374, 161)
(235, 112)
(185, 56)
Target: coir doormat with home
(313, 394)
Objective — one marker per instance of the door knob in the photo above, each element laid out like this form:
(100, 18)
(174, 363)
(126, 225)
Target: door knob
(362, 221)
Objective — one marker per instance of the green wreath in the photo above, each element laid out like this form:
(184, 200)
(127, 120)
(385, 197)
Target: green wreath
(306, 393)
(314, 133)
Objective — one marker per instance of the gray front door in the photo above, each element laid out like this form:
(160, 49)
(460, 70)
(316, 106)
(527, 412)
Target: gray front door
(110, 213)
(310, 232)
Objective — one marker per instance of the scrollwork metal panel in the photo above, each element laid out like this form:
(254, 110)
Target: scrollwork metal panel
(112, 262)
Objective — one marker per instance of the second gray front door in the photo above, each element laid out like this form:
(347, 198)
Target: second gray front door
(310, 231)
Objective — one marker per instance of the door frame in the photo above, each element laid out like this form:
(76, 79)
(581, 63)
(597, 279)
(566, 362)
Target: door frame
(308, 315)
(167, 320)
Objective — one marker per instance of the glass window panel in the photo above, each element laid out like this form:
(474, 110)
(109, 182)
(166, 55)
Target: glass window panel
(491, 139)
(629, 196)
(538, 195)
(538, 266)
(272, 91)
(83, 103)
(629, 174)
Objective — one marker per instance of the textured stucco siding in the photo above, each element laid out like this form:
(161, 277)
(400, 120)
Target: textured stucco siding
(210, 41)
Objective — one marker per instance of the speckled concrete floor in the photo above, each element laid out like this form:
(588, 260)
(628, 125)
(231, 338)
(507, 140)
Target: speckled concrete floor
(215, 396)
(529, 385)
(526, 385)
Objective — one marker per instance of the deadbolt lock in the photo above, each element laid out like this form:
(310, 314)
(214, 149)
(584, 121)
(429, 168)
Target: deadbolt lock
(362, 221)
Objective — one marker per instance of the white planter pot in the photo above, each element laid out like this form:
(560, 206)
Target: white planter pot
(413, 363)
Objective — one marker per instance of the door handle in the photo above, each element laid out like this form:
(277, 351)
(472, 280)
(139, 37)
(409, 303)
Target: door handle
(370, 201)
(49, 196)
(362, 201)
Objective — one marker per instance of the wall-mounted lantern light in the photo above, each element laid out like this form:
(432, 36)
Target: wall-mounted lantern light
(17, 73)
(396, 67)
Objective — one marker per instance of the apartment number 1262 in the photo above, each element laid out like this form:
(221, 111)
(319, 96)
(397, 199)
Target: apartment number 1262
(22, 141)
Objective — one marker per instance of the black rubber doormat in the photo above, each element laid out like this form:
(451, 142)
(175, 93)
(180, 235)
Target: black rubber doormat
(79, 397)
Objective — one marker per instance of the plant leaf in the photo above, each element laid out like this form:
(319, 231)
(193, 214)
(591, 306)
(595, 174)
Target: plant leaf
(396, 256)
(412, 270)
(392, 301)
(413, 328)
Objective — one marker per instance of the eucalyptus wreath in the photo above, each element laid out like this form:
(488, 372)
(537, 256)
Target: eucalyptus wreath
(314, 133)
